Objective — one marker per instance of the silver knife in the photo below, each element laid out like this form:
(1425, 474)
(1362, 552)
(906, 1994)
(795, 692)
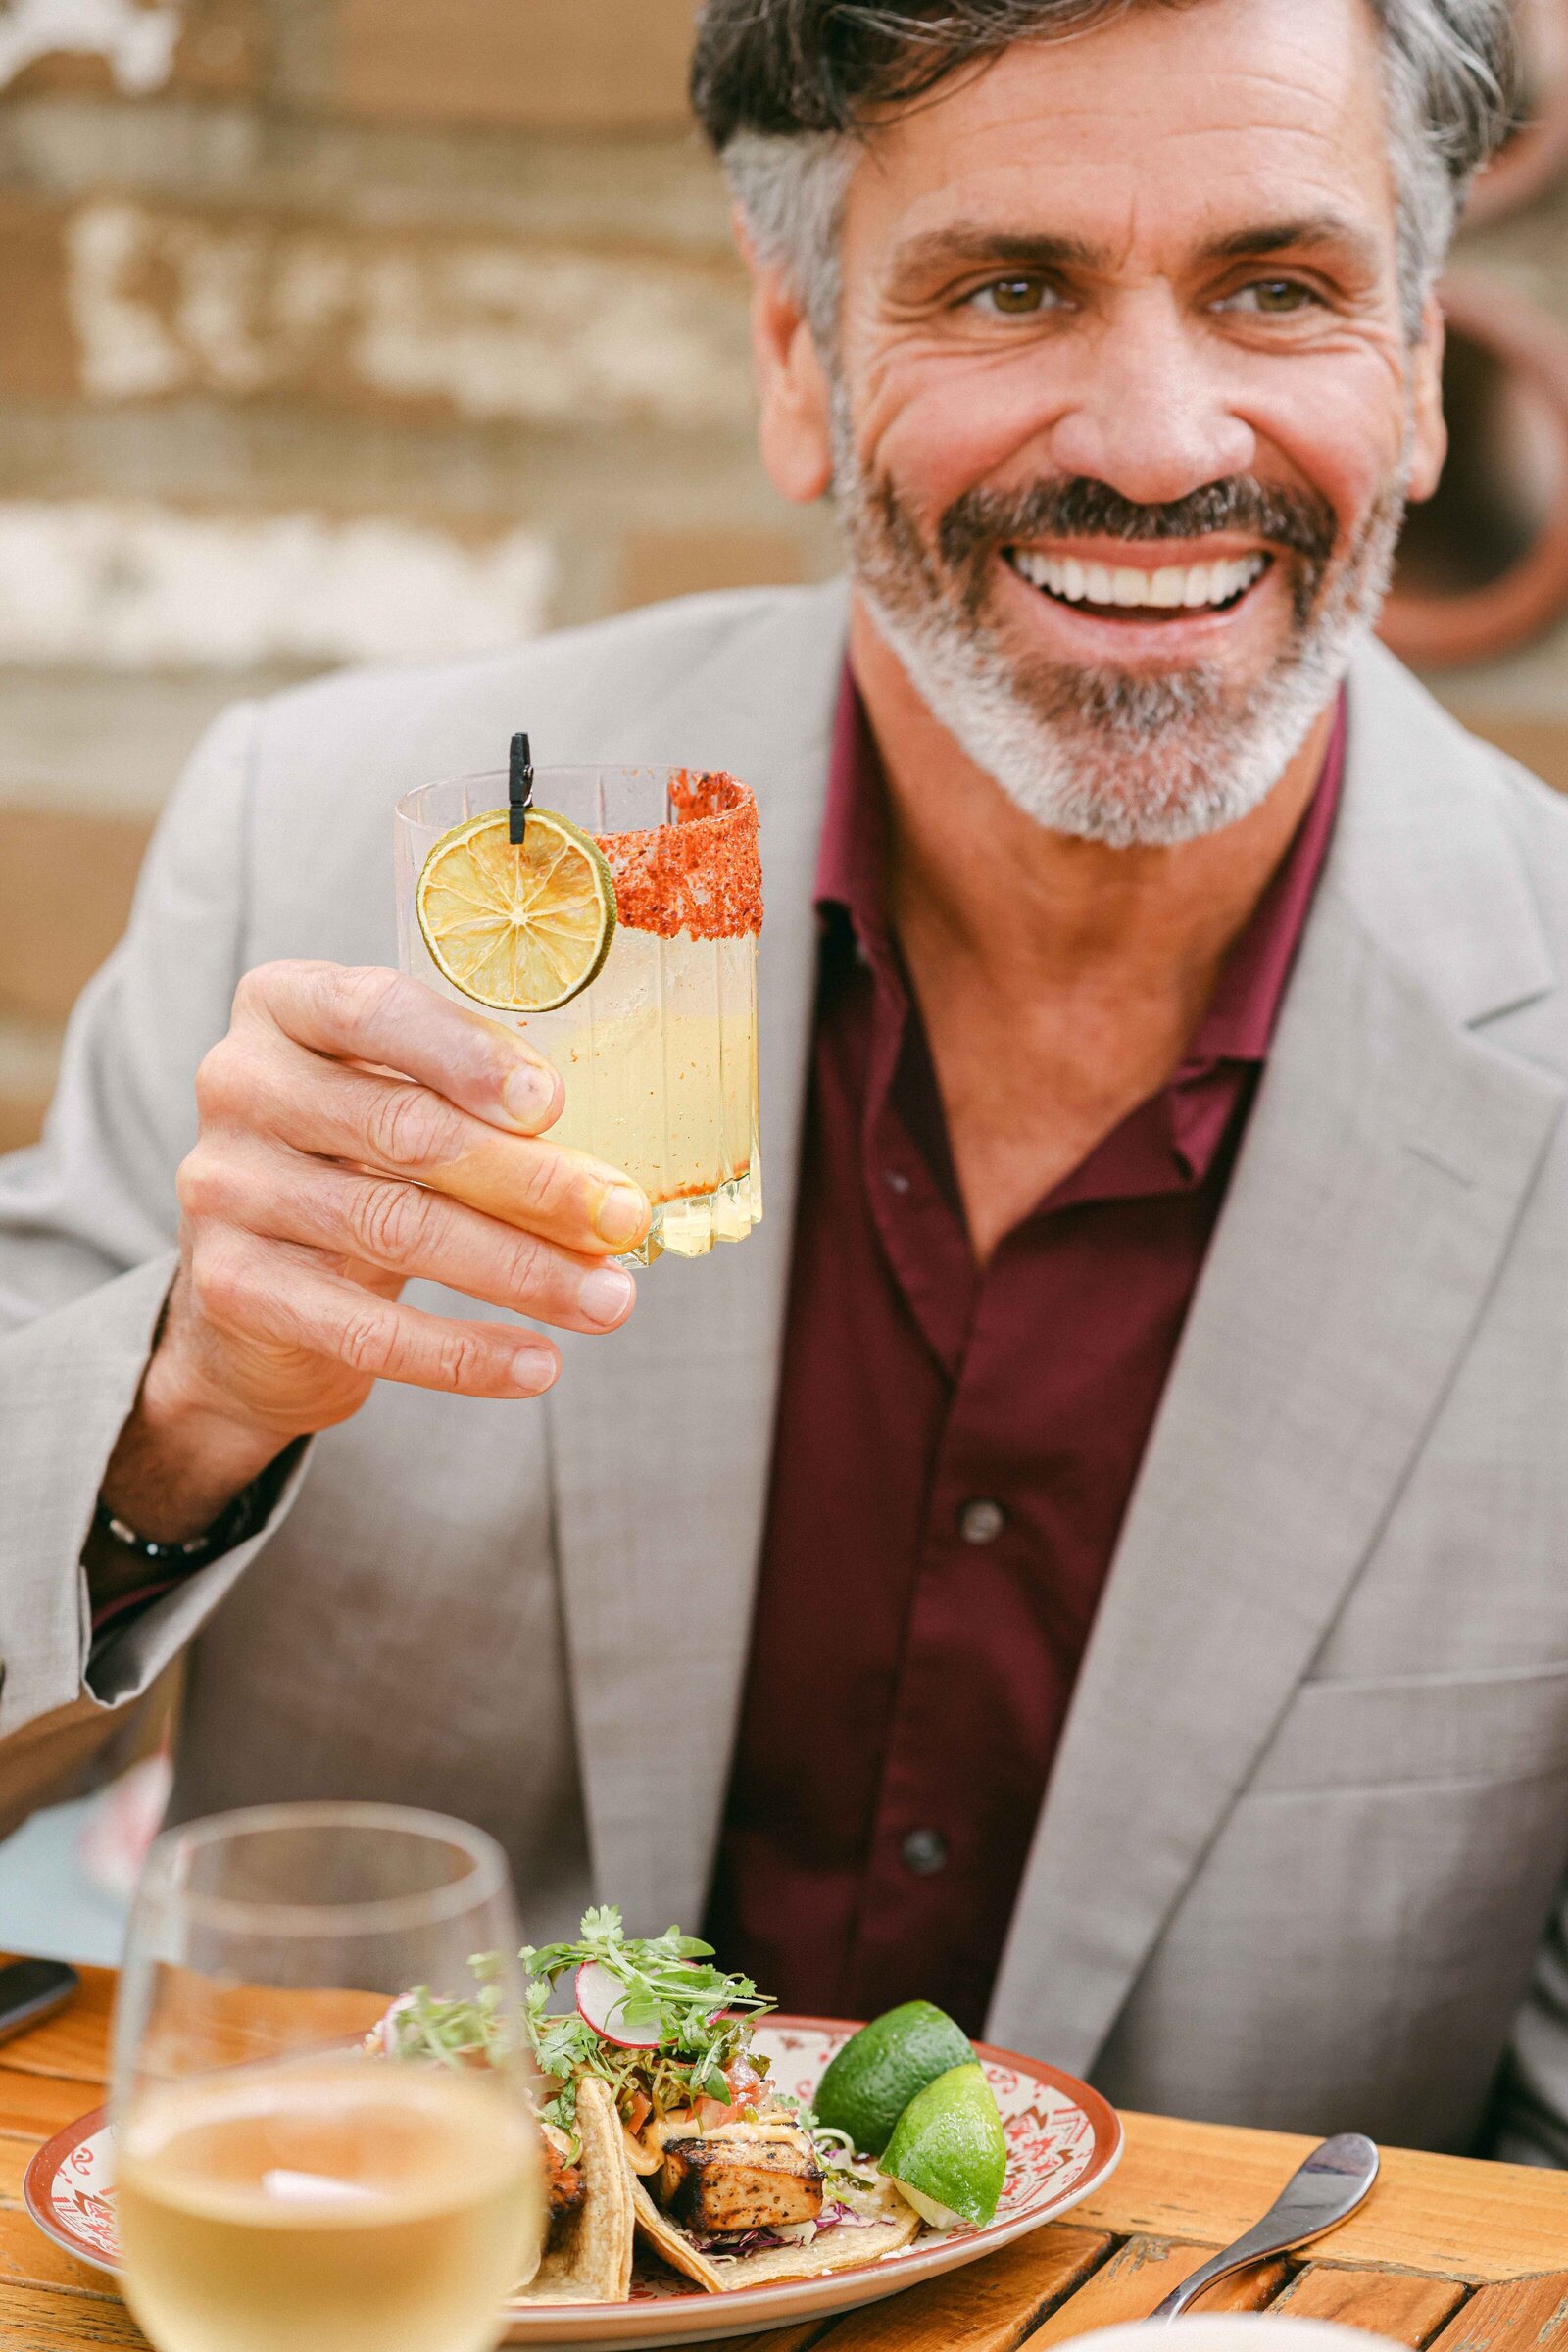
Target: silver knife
(1328, 2189)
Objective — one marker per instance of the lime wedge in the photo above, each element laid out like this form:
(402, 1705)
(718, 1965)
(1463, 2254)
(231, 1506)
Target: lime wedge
(879, 2069)
(947, 2152)
(522, 930)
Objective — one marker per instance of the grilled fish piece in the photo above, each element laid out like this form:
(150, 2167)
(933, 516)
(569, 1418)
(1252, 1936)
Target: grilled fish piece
(564, 2181)
(756, 2180)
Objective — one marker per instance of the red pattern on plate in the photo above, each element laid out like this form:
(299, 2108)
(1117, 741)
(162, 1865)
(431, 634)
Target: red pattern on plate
(1061, 2137)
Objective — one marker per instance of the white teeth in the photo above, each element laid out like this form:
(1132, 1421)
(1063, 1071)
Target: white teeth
(1169, 589)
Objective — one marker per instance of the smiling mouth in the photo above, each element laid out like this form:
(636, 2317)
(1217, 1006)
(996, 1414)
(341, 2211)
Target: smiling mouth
(1120, 592)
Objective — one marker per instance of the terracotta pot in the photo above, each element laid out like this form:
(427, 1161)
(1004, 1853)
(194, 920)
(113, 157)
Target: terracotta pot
(1484, 566)
(1537, 154)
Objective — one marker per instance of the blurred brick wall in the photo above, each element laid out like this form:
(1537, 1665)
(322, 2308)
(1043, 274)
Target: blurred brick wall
(338, 330)
(331, 329)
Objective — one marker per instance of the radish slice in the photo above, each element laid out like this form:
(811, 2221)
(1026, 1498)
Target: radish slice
(601, 2001)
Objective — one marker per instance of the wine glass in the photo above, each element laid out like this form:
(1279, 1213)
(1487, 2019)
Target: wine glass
(294, 2168)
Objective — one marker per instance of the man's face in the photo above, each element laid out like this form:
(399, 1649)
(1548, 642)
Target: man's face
(1125, 411)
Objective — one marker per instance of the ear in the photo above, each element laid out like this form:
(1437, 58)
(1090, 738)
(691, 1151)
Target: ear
(795, 428)
(1429, 446)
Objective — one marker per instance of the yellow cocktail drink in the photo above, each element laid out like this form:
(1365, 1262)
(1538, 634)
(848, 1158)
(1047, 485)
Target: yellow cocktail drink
(659, 1051)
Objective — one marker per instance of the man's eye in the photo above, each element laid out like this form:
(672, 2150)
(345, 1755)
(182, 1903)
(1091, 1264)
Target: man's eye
(1271, 297)
(1012, 297)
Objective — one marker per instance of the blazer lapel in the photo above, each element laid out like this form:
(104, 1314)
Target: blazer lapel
(662, 1436)
(1389, 1152)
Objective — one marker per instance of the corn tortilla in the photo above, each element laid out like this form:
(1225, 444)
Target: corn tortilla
(590, 2260)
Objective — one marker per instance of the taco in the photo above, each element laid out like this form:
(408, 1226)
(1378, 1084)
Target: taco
(586, 2253)
(588, 2243)
(728, 2180)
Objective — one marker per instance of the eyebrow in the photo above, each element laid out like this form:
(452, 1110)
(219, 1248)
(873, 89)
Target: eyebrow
(972, 241)
(1280, 236)
(972, 244)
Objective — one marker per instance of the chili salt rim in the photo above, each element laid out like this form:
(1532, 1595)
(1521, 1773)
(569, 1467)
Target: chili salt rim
(702, 874)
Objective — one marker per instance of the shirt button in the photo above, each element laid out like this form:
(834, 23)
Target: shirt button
(981, 1521)
(896, 1180)
(925, 1853)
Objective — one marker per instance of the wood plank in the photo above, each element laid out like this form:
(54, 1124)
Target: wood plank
(1443, 2214)
(1138, 2278)
(44, 2320)
(1524, 2316)
(1400, 2305)
(35, 2106)
(988, 2307)
(786, 2340)
(558, 65)
(15, 2157)
(29, 2259)
(74, 2044)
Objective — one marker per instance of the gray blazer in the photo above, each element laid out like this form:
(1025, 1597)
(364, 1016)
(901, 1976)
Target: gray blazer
(1302, 1857)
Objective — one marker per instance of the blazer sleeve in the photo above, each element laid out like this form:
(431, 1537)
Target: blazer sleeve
(88, 1223)
(1531, 2123)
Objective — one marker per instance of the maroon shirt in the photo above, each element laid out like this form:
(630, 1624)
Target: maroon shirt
(954, 1452)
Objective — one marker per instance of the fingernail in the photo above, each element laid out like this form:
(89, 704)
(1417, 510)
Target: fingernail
(535, 1370)
(623, 1215)
(606, 1294)
(529, 1094)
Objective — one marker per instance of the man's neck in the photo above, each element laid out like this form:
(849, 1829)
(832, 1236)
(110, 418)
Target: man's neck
(1061, 981)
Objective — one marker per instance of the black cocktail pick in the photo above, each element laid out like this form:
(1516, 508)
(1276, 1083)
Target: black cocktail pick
(520, 791)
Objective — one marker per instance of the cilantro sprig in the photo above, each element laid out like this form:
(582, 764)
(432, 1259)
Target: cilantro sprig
(703, 2015)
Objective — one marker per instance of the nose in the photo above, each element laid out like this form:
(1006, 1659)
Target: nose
(1152, 417)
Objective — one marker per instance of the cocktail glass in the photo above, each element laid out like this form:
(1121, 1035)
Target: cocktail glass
(659, 1053)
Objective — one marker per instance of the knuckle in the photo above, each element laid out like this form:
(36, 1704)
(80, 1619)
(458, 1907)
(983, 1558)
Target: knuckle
(358, 998)
(223, 1278)
(262, 989)
(462, 1357)
(251, 993)
(202, 1184)
(216, 1089)
(364, 1342)
(391, 1222)
(409, 1128)
(547, 1183)
(525, 1265)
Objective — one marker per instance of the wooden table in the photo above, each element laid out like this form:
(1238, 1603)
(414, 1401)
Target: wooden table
(1462, 2257)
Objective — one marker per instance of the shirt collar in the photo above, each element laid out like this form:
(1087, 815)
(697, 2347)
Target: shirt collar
(1239, 1025)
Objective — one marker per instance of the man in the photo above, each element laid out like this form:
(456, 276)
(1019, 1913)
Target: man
(1096, 1556)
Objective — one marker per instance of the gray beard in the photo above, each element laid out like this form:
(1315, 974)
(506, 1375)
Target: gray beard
(1099, 754)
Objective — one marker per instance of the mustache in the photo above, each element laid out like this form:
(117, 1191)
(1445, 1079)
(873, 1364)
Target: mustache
(1079, 507)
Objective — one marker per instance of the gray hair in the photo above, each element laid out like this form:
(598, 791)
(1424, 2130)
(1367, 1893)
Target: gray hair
(784, 88)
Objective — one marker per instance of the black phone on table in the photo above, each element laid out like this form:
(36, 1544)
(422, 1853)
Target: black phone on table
(31, 1991)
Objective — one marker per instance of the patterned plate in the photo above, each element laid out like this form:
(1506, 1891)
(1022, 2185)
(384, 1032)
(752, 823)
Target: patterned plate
(1063, 2141)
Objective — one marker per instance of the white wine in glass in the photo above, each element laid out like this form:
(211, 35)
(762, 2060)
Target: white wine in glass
(280, 2184)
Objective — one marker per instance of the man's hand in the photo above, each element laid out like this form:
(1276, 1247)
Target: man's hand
(358, 1131)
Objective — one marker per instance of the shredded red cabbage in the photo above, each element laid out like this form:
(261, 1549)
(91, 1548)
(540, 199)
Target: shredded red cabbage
(758, 2242)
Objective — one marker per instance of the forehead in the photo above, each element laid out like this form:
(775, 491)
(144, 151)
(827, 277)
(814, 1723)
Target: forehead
(1164, 125)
